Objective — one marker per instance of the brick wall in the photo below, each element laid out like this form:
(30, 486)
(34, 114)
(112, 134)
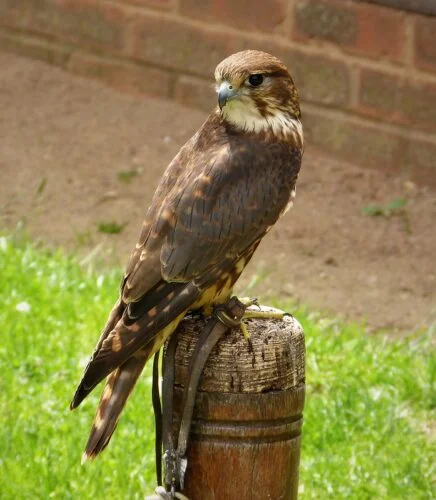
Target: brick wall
(366, 72)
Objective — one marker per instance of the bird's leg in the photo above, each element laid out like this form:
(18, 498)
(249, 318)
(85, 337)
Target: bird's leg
(206, 311)
(248, 302)
(244, 331)
(257, 313)
(232, 322)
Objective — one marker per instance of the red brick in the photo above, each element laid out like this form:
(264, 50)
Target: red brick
(382, 31)
(373, 147)
(122, 75)
(326, 21)
(246, 14)
(358, 27)
(13, 13)
(197, 51)
(180, 46)
(425, 43)
(160, 4)
(88, 22)
(319, 79)
(368, 146)
(195, 93)
(398, 100)
(43, 50)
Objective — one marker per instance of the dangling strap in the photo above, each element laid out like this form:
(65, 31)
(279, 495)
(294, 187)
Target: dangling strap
(157, 419)
(168, 376)
(225, 317)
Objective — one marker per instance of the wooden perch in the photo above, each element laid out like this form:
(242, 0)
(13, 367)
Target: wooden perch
(246, 432)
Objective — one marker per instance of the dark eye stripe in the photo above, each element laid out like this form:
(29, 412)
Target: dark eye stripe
(279, 73)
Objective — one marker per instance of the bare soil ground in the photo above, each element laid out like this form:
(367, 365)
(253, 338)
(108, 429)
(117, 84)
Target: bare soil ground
(65, 142)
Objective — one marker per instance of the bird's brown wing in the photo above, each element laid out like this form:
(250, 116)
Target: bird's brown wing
(222, 202)
(228, 207)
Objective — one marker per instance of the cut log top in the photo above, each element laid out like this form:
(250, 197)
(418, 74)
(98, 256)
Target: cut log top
(273, 360)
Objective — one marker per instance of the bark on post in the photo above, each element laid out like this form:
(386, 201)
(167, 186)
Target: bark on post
(246, 433)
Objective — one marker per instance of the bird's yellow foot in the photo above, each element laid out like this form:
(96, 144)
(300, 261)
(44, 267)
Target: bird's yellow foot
(259, 313)
(252, 311)
(249, 302)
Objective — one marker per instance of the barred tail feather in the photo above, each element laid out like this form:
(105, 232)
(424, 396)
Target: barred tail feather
(143, 325)
(131, 337)
(82, 391)
(119, 385)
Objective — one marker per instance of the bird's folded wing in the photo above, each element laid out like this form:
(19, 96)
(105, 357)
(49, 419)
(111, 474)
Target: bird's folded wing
(210, 216)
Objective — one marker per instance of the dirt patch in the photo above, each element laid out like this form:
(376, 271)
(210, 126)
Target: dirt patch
(68, 145)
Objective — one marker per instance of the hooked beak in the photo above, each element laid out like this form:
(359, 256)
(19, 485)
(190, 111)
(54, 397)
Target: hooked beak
(225, 93)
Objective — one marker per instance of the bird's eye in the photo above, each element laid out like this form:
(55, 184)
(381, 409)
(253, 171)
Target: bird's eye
(255, 80)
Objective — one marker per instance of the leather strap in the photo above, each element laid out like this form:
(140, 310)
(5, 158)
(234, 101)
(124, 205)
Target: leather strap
(225, 317)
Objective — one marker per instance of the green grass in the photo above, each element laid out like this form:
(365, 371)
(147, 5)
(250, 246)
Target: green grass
(395, 207)
(129, 175)
(367, 430)
(110, 227)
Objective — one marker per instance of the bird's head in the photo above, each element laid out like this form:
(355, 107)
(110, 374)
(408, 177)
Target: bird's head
(256, 93)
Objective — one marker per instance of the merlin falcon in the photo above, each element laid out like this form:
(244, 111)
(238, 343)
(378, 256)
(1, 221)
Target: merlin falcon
(217, 199)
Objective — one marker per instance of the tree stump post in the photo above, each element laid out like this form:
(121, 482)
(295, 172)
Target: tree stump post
(246, 432)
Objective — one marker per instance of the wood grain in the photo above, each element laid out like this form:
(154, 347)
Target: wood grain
(246, 433)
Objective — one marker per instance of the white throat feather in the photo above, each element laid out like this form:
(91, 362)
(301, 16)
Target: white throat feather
(244, 115)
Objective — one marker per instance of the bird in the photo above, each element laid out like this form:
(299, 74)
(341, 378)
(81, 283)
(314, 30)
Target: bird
(219, 196)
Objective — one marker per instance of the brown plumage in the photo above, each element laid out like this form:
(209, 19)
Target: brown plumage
(217, 199)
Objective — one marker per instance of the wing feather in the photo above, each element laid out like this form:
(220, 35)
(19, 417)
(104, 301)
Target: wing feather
(219, 216)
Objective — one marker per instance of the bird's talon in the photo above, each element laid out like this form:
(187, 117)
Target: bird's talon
(245, 331)
(248, 302)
